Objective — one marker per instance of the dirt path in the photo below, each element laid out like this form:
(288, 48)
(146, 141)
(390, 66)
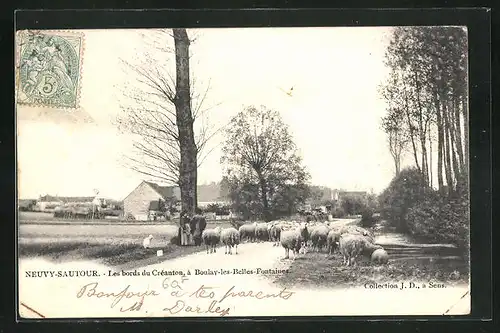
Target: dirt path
(250, 267)
(234, 279)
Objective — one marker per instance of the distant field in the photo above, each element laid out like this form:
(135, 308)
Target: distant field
(35, 216)
(48, 218)
(110, 243)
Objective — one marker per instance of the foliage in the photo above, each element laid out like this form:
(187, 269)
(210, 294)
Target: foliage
(218, 209)
(338, 212)
(264, 174)
(441, 219)
(353, 204)
(413, 207)
(367, 219)
(404, 191)
(426, 96)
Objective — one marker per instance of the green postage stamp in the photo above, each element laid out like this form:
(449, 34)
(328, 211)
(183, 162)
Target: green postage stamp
(48, 68)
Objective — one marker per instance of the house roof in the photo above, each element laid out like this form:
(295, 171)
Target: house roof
(205, 192)
(164, 191)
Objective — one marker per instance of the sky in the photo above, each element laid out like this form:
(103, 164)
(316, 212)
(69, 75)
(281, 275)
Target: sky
(333, 114)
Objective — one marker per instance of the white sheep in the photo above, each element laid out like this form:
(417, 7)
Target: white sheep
(230, 237)
(146, 243)
(332, 240)
(294, 240)
(355, 230)
(319, 235)
(261, 232)
(247, 231)
(352, 245)
(275, 234)
(380, 256)
(211, 238)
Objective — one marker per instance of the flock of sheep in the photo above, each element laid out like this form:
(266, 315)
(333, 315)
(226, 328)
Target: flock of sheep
(350, 241)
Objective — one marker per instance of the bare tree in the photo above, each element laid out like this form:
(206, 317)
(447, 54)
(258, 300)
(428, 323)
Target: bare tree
(164, 114)
(393, 126)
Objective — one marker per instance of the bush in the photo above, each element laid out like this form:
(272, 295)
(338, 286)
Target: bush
(338, 212)
(367, 219)
(353, 205)
(441, 219)
(406, 190)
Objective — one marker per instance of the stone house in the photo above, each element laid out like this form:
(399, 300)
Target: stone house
(141, 202)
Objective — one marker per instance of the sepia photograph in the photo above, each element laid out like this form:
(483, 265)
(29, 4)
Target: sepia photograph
(236, 172)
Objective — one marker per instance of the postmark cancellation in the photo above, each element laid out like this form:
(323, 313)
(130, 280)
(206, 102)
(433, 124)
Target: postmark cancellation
(49, 68)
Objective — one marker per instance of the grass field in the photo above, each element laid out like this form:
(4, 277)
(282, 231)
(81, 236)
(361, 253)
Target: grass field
(110, 244)
(319, 270)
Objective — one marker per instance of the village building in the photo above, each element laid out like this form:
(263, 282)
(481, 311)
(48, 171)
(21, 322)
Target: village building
(145, 199)
(143, 203)
(49, 203)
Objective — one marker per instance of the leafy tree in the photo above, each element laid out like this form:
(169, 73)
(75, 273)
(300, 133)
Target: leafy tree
(263, 167)
(218, 209)
(353, 204)
(427, 91)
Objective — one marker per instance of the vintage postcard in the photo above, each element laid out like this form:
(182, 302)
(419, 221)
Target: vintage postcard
(234, 172)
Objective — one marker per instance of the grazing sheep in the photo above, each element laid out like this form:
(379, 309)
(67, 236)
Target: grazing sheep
(319, 237)
(275, 234)
(352, 245)
(146, 243)
(332, 241)
(230, 237)
(211, 238)
(261, 232)
(355, 230)
(247, 231)
(294, 240)
(380, 256)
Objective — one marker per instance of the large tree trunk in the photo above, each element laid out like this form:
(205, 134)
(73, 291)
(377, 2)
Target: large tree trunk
(453, 148)
(458, 133)
(431, 174)
(393, 148)
(440, 142)
(421, 130)
(465, 114)
(184, 117)
(447, 148)
(264, 192)
(410, 126)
